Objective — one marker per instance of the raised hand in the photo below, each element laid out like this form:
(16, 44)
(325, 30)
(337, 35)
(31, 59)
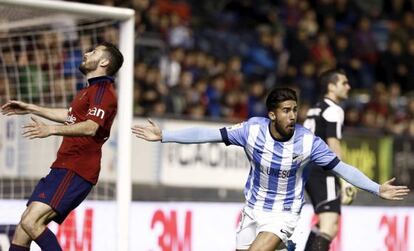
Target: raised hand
(151, 132)
(14, 107)
(36, 129)
(391, 192)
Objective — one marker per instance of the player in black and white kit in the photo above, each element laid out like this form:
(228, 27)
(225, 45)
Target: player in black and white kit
(326, 120)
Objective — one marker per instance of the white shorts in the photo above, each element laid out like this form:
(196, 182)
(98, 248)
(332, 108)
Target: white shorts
(254, 221)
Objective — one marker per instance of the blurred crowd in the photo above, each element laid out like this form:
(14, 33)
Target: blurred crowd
(218, 59)
(42, 66)
(221, 58)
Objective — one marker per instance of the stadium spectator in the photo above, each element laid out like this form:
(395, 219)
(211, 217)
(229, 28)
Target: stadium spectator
(363, 38)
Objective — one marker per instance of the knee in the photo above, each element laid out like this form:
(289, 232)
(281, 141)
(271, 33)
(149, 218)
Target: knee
(261, 248)
(335, 228)
(29, 225)
(256, 249)
(331, 229)
(26, 223)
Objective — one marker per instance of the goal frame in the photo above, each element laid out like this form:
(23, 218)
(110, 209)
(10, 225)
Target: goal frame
(125, 90)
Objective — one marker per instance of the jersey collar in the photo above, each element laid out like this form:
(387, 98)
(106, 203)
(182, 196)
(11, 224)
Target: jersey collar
(100, 79)
(326, 98)
(280, 140)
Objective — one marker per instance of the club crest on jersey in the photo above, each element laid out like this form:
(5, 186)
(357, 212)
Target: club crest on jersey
(234, 127)
(70, 119)
(96, 112)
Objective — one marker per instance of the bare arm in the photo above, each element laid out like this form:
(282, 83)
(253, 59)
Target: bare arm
(38, 129)
(335, 145)
(85, 128)
(14, 107)
(348, 191)
(54, 114)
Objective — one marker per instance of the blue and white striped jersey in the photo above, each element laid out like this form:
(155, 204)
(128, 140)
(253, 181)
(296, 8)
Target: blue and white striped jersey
(278, 170)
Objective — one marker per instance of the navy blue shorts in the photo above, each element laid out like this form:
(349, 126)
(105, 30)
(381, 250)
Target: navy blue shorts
(61, 189)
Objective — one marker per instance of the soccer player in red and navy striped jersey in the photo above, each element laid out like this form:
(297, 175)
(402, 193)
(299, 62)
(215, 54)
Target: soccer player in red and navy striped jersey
(85, 127)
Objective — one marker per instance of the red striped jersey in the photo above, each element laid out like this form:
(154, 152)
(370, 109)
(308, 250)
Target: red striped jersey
(96, 102)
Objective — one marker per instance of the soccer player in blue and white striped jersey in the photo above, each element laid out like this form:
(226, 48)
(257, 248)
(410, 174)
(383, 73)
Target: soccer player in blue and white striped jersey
(279, 152)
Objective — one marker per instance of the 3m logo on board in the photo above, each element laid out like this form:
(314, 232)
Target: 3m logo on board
(177, 231)
(96, 112)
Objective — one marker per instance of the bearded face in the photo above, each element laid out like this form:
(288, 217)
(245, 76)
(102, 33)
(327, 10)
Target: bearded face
(88, 65)
(91, 60)
(285, 116)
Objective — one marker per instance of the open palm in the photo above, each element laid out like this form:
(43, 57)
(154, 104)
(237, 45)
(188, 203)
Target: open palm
(36, 129)
(151, 132)
(391, 192)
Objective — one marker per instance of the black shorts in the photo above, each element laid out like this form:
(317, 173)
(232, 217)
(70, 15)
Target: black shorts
(324, 190)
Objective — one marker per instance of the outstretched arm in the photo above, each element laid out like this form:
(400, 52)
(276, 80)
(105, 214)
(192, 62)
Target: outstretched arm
(358, 179)
(38, 129)
(14, 107)
(152, 132)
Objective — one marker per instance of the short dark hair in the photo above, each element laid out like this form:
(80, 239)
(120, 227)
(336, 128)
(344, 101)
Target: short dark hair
(329, 77)
(115, 57)
(279, 95)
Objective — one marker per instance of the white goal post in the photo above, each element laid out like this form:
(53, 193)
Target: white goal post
(125, 91)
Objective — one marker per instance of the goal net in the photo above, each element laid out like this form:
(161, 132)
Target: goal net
(41, 47)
